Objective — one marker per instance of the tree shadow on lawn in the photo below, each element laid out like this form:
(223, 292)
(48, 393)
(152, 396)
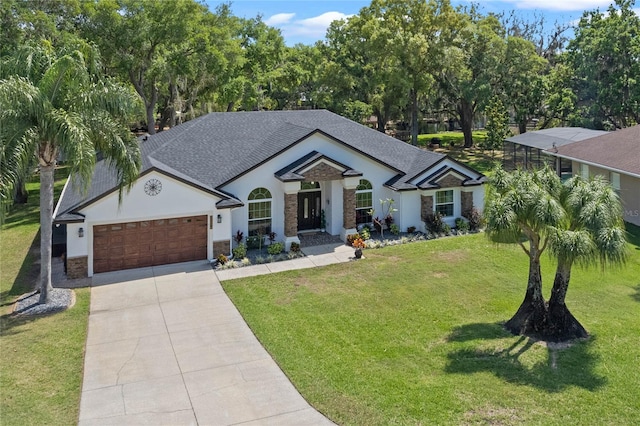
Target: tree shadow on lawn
(566, 365)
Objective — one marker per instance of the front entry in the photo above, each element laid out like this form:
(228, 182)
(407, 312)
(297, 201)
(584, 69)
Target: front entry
(309, 210)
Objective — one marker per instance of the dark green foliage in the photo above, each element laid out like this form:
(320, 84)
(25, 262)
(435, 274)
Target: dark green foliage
(240, 252)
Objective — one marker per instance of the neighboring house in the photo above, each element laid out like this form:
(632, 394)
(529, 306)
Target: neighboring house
(614, 155)
(255, 172)
(573, 150)
(533, 150)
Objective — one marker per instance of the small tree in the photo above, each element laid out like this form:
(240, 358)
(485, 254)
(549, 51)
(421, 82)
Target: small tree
(497, 125)
(387, 214)
(592, 232)
(520, 208)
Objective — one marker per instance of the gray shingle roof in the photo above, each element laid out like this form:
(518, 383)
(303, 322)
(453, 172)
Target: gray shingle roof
(557, 136)
(215, 149)
(618, 150)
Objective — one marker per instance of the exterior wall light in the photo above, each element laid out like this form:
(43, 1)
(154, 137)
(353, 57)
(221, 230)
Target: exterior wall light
(219, 218)
(80, 232)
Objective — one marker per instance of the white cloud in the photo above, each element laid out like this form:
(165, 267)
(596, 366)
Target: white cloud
(279, 19)
(315, 27)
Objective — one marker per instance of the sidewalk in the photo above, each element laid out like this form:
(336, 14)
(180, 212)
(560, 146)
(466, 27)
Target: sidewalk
(314, 256)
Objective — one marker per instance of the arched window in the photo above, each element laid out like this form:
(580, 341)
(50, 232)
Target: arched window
(364, 201)
(259, 207)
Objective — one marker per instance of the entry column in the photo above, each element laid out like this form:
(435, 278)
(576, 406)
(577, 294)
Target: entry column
(291, 214)
(349, 185)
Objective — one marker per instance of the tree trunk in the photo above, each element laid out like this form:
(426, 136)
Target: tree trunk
(531, 315)
(522, 126)
(466, 122)
(381, 124)
(561, 324)
(151, 119)
(414, 117)
(46, 220)
(21, 195)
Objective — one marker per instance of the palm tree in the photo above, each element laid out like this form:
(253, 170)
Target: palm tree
(54, 103)
(592, 231)
(520, 207)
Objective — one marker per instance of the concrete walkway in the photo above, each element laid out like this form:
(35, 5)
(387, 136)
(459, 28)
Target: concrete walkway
(166, 346)
(314, 256)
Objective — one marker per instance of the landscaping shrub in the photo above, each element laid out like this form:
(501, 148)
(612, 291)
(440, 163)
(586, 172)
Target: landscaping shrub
(476, 220)
(434, 223)
(365, 233)
(255, 241)
(462, 225)
(395, 229)
(222, 259)
(240, 252)
(295, 248)
(275, 248)
(351, 238)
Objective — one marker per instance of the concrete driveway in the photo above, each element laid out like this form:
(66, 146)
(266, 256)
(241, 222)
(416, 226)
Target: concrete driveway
(166, 346)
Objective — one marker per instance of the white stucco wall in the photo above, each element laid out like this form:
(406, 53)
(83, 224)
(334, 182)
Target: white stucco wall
(629, 191)
(176, 199)
(263, 176)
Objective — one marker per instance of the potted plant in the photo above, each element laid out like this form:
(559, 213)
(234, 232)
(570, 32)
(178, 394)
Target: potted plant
(358, 244)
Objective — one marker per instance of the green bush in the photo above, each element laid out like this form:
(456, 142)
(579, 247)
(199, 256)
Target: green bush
(255, 242)
(462, 225)
(240, 252)
(365, 233)
(476, 221)
(434, 223)
(395, 229)
(275, 248)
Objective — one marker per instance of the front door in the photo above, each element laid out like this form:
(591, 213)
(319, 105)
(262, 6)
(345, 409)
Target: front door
(309, 210)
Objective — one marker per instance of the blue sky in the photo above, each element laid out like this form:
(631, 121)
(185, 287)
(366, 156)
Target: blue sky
(306, 21)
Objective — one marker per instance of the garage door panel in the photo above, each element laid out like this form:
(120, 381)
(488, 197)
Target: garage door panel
(149, 243)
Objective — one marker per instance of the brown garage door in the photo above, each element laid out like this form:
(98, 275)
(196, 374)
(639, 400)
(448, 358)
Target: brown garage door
(148, 243)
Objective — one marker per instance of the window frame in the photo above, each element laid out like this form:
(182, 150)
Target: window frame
(362, 213)
(614, 180)
(259, 201)
(437, 205)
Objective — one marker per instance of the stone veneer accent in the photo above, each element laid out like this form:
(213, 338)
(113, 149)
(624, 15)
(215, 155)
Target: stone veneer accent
(426, 206)
(349, 208)
(466, 201)
(449, 181)
(77, 267)
(290, 215)
(321, 172)
(221, 247)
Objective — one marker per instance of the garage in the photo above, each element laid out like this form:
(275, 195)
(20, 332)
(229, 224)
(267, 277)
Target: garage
(148, 243)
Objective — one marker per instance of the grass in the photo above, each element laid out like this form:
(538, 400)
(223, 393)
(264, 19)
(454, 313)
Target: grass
(452, 144)
(412, 335)
(42, 356)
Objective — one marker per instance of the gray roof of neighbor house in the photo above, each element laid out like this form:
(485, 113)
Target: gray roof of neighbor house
(619, 150)
(214, 149)
(558, 136)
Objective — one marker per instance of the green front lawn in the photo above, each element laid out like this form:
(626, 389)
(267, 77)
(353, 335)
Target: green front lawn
(411, 335)
(42, 356)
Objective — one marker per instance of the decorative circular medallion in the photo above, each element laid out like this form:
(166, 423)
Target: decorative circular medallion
(153, 187)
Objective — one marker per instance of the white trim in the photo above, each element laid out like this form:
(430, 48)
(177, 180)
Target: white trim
(64, 189)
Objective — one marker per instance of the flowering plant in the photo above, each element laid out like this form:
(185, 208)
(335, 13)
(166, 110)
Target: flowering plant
(358, 243)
